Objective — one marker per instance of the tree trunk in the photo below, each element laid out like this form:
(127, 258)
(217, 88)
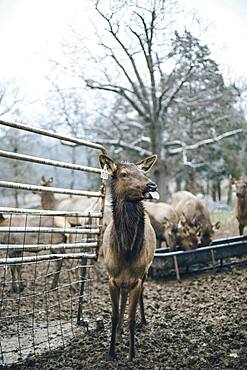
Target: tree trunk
(161, 180)
(214, 192)
(191, 184)
(16, 199)
(229, 194)
(219, 190)
(178, 184)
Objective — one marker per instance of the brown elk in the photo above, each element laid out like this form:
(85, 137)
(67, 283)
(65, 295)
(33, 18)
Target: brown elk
(194, 212)
(50, 202)
(128, 243)
(22, 238)
(164, 220)
(241, 205)
(75, 204)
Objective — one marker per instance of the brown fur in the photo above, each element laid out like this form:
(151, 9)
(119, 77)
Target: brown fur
(30, 238)
(241, 204)
(194, 212)
(128, 244)
(50, 202)
(164, 220)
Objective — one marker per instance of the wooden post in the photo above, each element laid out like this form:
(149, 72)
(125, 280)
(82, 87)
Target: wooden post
(176, 268)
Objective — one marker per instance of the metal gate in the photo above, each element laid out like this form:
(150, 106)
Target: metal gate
(45, 286)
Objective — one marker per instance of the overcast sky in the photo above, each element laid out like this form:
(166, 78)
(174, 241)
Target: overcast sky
(30, 30)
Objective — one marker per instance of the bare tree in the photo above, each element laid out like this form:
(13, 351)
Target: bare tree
(159, 84)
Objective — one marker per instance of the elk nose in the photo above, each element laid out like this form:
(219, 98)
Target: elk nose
(151, 186)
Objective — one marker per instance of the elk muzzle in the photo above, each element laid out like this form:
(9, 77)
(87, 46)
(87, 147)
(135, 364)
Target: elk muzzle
(151, 191)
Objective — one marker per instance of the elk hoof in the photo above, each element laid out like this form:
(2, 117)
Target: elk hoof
(21, 287)
(141, 324)
(73, 288)
(111, 356)
(131, 357)
(14, 289)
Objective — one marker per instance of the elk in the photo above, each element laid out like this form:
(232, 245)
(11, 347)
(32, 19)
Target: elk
(21, 238)
(241, 204)
(129, 243)
(50, 202)
(194, 212)
(164, 220)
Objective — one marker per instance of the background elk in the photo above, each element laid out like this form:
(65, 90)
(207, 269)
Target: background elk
(50, 202)
(164, 220)
(194, 212)
(23, 238)
(241, 204)
(129, 242)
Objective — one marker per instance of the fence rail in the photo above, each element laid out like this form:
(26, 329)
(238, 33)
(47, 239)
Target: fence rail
(41, 212)
(20, 186)
(46, 296)
(66, 138)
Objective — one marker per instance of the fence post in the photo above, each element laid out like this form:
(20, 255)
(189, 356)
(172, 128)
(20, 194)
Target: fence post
(83, 273)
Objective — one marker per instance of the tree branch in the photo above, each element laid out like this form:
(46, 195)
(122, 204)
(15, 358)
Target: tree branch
(124, 145)
(185, 147)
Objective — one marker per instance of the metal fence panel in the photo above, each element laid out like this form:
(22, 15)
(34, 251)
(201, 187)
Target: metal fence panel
(46, 263)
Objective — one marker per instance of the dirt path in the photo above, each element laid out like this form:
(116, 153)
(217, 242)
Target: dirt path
(200, 323)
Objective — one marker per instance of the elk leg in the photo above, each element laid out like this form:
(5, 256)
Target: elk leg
(19, 275)
(241, 229)
(124, 296)
(57, 273)
(115, 294)
(143, 318)
(72, 276)
(13, 273)
(134, 297)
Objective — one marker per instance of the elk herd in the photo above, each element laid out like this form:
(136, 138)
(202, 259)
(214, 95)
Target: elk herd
(134, 227)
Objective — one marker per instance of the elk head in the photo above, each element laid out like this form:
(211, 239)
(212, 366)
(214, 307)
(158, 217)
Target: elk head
(241, 188)
(129, 181)
(187, 235)
(44, 182)
(169, 234)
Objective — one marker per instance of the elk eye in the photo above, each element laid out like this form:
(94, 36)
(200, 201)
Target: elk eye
(124, 174)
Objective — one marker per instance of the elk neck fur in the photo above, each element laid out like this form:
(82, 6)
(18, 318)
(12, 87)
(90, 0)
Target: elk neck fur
(128, 225)
(48, 201)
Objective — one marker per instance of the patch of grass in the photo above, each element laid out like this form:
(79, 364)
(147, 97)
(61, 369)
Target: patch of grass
(228, 223)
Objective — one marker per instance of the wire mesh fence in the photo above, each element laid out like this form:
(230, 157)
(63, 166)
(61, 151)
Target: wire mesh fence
(47, 261)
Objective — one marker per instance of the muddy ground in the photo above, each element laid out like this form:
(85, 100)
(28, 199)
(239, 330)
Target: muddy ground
(200, 323)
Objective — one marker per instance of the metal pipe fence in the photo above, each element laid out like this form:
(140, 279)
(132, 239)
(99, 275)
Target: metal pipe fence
(47, 262)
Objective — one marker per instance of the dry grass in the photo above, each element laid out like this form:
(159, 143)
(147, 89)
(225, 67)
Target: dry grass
(228, 221)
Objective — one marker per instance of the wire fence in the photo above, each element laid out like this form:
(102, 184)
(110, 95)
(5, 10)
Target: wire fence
(47, 259)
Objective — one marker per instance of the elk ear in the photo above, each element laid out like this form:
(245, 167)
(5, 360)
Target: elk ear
(183, 219)
(174, 228)
(147, 163)
(43, 179)
(194, 222)
(216, 226)
(166, 222)
(198, 230)
(106, 161)
(232, 181)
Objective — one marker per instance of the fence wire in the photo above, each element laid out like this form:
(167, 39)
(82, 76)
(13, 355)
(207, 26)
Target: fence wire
(47, 265)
